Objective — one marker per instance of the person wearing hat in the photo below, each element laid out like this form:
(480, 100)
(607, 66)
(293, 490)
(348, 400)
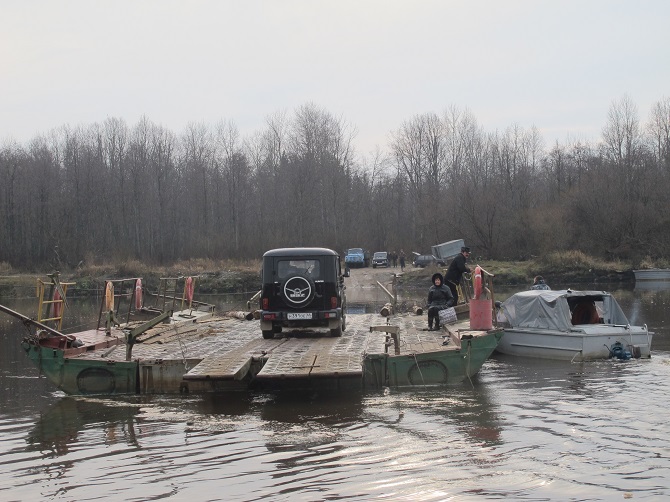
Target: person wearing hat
(455, 271)
(439, 298)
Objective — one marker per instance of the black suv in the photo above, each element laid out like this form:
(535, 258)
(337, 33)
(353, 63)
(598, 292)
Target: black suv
(302, 287)
(380, 259)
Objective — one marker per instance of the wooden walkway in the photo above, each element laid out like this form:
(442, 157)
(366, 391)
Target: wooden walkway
(292, 354)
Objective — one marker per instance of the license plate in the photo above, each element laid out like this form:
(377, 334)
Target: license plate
(292, 316)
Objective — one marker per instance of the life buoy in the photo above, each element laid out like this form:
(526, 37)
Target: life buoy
(58, 304)
(477, 282)
(109, 296)
(188, 290)
(138, 294)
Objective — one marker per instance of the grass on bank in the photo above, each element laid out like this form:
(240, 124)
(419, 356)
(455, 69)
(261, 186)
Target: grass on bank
(213, 276)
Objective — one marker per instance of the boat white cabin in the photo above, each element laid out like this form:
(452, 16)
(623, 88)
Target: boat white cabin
(570, 325)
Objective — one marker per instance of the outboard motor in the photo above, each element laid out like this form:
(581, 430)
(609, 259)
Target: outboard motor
(618, 351)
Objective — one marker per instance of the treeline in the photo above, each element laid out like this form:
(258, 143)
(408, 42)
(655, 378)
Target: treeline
(113, 192)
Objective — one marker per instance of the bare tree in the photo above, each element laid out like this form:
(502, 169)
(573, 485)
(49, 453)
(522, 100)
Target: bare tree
(659, 131)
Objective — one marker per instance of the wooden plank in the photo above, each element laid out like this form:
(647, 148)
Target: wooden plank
(295, 359)
(307, 357)
(231, 364)
(338, 365)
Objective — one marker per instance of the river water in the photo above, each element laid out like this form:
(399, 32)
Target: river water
(522, 430)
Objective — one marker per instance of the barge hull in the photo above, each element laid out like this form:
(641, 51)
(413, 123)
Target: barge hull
(224, 354)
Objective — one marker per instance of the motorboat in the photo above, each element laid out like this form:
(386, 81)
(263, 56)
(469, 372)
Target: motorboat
(571, 325)
(652, 274)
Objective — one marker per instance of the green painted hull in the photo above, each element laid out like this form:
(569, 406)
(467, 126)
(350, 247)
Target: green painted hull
(96, 372)
(430, 368)
(83, 376)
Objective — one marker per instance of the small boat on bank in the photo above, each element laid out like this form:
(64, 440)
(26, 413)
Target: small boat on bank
(570, 325)
(179, 345)
(652, 274)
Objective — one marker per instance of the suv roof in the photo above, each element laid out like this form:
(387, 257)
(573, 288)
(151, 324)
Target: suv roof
(300, 252)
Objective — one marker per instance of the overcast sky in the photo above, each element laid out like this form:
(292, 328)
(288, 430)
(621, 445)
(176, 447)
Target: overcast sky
(555, 64)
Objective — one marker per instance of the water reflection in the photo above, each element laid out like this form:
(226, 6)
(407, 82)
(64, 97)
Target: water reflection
(58, 429)
(524, 429)
(652, 285)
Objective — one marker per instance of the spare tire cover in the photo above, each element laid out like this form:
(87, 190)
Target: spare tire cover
(298, 291)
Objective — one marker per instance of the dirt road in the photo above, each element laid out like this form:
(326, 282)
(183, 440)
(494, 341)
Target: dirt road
(362, 286)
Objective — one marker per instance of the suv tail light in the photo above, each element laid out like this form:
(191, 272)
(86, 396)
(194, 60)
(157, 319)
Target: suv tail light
(333, 302)
(265, 303)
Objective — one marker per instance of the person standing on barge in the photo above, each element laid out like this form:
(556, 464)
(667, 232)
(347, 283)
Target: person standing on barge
(456, 269)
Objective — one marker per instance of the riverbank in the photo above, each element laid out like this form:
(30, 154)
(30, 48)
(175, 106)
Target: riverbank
(571, 267)
(229, 276)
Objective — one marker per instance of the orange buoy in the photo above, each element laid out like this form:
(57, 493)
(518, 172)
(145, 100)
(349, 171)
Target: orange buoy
(109, 296)
(138, 294)
(188, 289)
(477, 280)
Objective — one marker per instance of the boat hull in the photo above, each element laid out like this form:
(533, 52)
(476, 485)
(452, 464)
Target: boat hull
(229, 354)
(440, 367)
(652, 274)
(83, 376)
(592, 343)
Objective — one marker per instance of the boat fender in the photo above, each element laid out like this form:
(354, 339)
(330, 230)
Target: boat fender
(138, 294)
(109, 297)
(477, 282)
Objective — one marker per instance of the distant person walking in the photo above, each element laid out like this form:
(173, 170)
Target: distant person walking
(456, 269)
(402, 260)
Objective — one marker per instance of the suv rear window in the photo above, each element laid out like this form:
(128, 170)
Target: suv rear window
(309, 268)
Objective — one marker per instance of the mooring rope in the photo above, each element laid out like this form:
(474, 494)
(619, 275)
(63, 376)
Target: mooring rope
(182, 347)
(467, 368)
(419, 368)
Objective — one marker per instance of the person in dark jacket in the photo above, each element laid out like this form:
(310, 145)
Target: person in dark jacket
(455, 271)
(538, 283)
(439, 298)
